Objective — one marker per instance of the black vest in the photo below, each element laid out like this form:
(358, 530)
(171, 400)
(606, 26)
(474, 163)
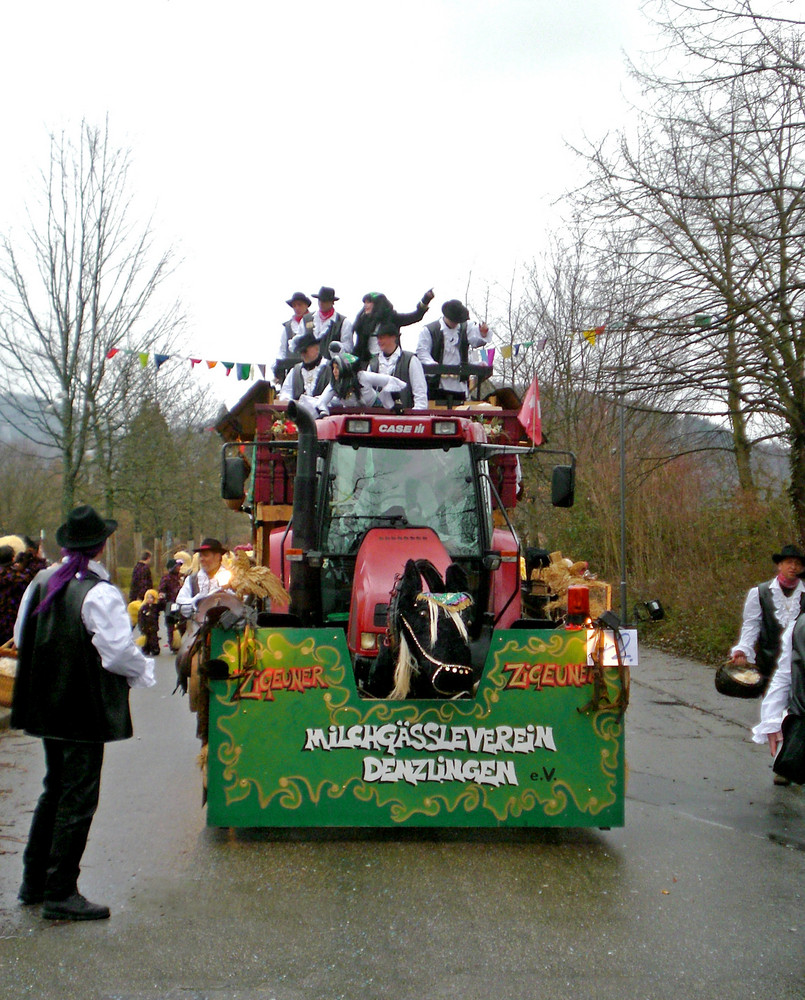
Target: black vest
(768, 640)
(322, 381)
(437, 342)
(61, 690)
(333, 333)
(405, 396)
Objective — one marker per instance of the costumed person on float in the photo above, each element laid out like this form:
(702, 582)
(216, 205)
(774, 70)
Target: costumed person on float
(376, 310)
(352, 387)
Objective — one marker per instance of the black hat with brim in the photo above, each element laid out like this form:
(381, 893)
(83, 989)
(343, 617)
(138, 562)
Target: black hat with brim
(325, 294)
(789, 552)
(84, 529)
(306, 339)
(298, 297)
(211, 545)
(387, 328)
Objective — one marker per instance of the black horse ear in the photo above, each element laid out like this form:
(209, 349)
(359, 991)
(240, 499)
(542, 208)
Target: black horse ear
(431, 576)
(410, 583)
(455, 579)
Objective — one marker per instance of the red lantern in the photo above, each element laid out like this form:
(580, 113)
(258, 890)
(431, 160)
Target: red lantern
(578, 606)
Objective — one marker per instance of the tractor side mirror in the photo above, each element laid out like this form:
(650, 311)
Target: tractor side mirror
(234, 473)
(563, 486)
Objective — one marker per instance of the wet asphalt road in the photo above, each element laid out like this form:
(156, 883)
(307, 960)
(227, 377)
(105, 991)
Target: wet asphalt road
(700, 895)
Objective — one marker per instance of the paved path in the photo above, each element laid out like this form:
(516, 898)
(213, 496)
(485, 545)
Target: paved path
(700, 895)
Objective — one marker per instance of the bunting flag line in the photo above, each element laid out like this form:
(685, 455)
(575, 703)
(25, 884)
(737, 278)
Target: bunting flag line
(246, 370)
(592, 335)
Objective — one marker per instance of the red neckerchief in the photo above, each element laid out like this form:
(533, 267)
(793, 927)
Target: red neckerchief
(327, 315)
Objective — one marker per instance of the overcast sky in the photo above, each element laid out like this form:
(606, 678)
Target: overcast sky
(365, 145)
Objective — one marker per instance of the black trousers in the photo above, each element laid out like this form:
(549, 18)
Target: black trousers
(62, 818)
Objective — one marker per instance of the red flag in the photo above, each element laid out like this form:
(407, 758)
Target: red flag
(530, 415)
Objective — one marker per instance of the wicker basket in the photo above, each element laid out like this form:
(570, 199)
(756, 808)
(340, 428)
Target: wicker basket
(8, 669)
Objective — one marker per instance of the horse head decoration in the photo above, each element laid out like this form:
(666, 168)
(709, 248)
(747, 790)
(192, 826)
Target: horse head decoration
(427, 654)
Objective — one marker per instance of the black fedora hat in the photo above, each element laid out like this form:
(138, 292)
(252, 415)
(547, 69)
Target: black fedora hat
(789, 552)
(387, 327)
(455, 311)
(84, 529)
(326, 294)
(297, 297)
(211, 545)
(305, 339)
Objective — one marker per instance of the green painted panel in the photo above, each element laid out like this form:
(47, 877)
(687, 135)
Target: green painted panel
(292, 744)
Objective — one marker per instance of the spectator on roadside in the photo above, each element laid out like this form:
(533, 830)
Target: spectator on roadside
(77, 661)
(12, 586)
(30, 561)
(141, 579)
(769, 609)
(170, 584)
(211, 577)
(148, 622)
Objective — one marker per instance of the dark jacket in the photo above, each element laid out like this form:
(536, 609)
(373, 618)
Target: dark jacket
(383, 312)
(61, 690)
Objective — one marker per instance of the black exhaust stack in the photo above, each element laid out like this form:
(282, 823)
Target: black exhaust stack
(305, 585)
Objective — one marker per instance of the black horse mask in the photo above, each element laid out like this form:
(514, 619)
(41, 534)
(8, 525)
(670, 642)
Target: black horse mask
(428, 652)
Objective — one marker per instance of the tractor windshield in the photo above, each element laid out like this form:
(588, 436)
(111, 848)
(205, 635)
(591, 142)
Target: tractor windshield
(375, 487)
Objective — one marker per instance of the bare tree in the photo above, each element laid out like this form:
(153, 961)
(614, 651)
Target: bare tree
(709, 195)
(83, 280)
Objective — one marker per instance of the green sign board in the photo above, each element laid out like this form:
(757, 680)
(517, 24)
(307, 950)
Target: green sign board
(291, 743)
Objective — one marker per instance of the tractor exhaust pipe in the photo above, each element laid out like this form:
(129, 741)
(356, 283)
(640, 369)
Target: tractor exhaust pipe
(305, 584)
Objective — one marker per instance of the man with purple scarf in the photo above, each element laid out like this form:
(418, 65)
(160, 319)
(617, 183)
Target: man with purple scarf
(77, 661)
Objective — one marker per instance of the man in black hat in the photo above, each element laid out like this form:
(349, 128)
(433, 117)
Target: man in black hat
(329, 325)
(77, 661)
(447, 341)
(301, 321)
(211, 576)
(311, 376)
(768, 611)
(404, 365)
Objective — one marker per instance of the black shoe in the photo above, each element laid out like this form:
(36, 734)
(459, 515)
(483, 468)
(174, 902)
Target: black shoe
(29, 895)
(75, 907)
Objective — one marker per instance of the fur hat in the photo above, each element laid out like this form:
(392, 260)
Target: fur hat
(154, 592)
(455, 311)
(297, 297)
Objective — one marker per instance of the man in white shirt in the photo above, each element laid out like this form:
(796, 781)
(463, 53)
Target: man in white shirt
(77, 661)
(447, 341)
(329, 325)
(404, 365)
(769, 609)
(211, 577)
(301, 320)
(311, 376)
